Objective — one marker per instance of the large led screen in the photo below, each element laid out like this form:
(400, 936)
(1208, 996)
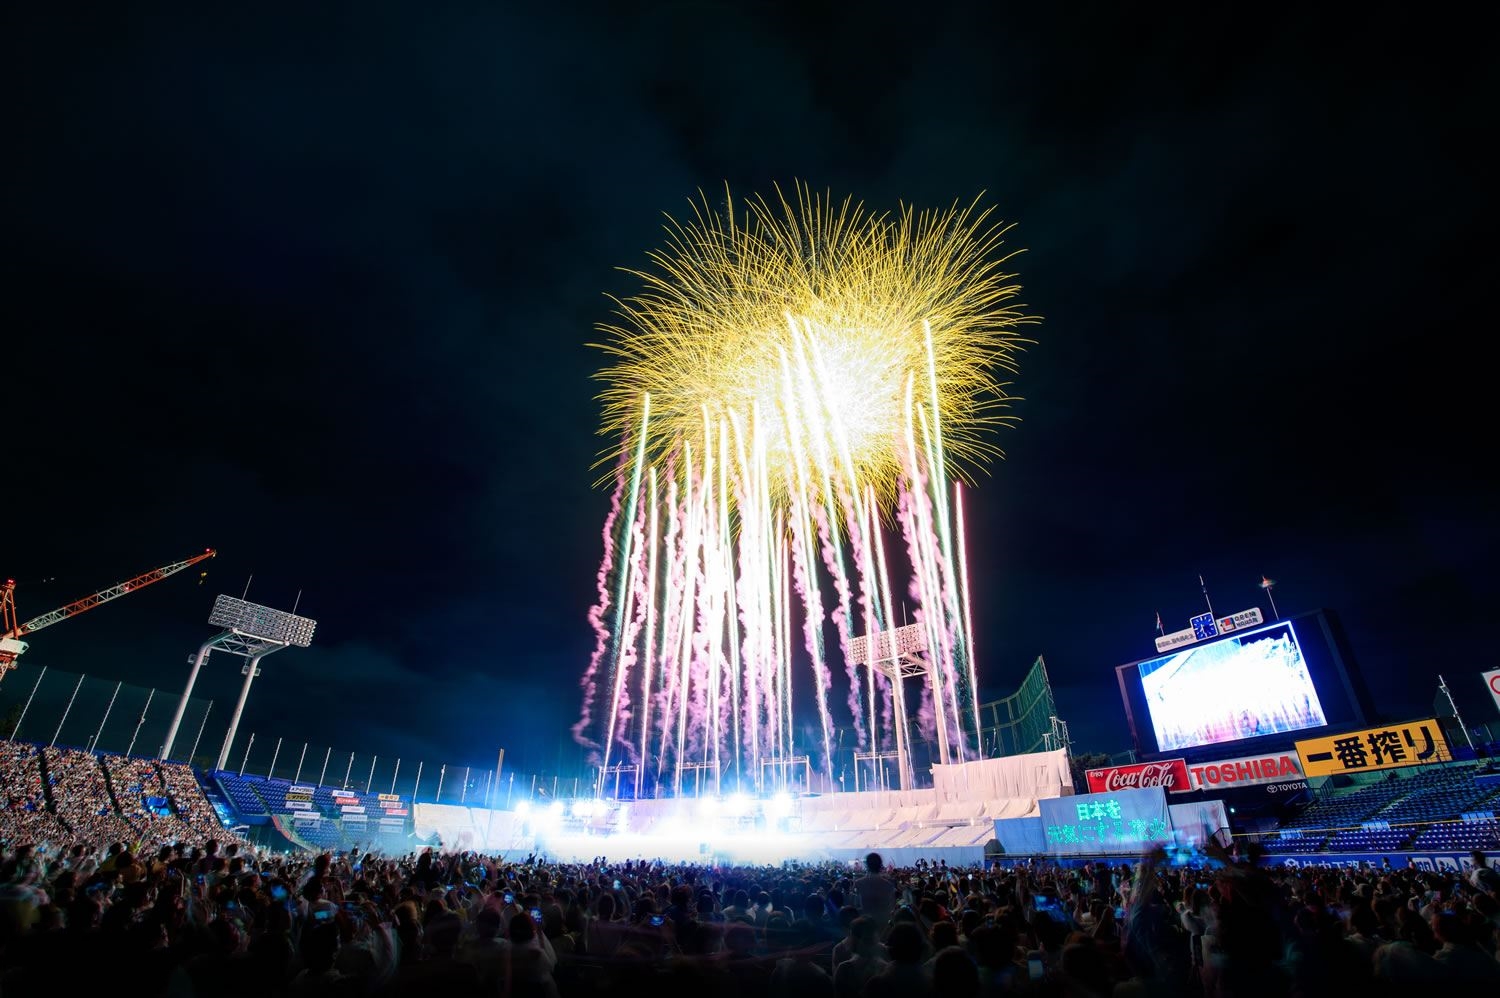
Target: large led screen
(1244, 686)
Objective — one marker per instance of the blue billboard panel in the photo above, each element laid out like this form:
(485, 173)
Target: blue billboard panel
(1087, 824)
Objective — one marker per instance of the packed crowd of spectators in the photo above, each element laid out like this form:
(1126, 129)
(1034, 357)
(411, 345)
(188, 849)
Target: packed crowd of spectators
(25, 817)
(55, 796)
(185, 921)
(81, 798)
(190, 805)
(137, 784)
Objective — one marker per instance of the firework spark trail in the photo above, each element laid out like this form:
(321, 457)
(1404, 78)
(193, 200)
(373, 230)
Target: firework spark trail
(713, 624)
(671, 617)
(833, 560)
(634, 615)
(860, 551)
(941, 591)
(898, 692)
(599, 609)
(688, 613)
(731, 603)
(622, 612)
(648, 657)
(963, 582)
(812, 622)
(748, 712)
(774, 345)
(906, 518)
(788, 644)
(922, 552)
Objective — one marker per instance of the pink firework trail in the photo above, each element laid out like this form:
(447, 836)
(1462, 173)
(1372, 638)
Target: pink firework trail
(598, 610)
(906, 516)
(633, 628)
(812, 627)
(671, 619)
(832, 562)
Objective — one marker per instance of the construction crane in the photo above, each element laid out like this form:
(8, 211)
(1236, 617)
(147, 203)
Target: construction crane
(11, 645)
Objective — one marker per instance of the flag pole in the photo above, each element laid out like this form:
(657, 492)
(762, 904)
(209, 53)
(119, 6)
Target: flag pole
(1268, 584)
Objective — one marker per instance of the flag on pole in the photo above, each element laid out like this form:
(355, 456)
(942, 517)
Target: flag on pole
(1159, 629)
(1267, 584)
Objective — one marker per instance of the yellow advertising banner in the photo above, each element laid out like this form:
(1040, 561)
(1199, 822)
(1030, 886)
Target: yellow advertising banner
(1411, 743)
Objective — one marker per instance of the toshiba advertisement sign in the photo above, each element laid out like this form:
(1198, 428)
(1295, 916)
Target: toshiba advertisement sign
(1169, 774)
(1271, 768)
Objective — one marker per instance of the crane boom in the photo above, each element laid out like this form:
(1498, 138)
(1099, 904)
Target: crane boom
(76, 607)
(11, 648)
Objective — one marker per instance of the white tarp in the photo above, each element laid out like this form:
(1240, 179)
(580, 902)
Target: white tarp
(1034, 776)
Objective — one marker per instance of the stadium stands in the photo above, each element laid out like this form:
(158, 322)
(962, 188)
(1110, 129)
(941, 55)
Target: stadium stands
(1422, 810)
(80, 796)
(242, 795)
(26, 816)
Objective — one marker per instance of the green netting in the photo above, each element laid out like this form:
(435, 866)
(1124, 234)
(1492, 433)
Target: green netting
(1021, 722)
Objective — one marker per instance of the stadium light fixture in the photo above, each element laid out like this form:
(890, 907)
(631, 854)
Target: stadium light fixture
(262, 621)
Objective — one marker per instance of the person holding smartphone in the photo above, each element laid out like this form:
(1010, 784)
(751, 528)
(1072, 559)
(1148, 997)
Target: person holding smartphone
(314, 906)
(532, 957)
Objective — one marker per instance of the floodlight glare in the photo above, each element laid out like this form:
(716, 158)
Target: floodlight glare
(523, 807)
(262, 621)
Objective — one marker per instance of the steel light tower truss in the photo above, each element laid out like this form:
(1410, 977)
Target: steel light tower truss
(252, 632)
(897, 655)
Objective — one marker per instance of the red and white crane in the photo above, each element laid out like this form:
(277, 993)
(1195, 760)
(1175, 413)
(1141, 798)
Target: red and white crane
(11, 645)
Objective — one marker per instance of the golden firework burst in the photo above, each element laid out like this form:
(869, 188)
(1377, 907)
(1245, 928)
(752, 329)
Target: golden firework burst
(805, 323)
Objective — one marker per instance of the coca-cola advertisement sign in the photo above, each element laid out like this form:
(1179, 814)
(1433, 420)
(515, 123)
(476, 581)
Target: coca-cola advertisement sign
(1169, 774)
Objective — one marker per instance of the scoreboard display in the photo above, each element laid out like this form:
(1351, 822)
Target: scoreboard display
(1263, 685)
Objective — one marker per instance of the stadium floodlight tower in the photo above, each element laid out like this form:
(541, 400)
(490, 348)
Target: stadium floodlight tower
(896, 655)
(252, 632)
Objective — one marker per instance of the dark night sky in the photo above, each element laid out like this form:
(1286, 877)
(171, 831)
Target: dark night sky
(314, 290)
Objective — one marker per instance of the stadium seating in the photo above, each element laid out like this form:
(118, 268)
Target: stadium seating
(1460, 836)
(241, 794)
(1421, 810)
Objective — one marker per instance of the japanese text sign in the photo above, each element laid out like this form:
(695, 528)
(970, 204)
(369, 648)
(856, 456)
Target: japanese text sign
(1413, 743)
(1089, 824)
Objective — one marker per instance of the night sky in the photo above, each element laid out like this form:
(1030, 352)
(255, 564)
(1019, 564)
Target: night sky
(315, 290)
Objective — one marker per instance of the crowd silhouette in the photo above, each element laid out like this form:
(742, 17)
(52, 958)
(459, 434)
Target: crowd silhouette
(216, 919)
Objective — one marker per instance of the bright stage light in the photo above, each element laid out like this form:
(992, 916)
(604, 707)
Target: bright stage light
(780, 805)
(737, 806)
(557, 810)
(583, 808)
(708, 806)
(523, 807)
